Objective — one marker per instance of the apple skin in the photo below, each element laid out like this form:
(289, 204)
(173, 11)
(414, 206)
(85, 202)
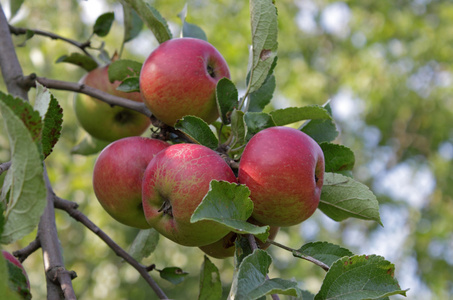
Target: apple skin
(179, 78)
(100, 119)
(174, 184)
(284, 170)
(117, 177)
(225, 247)
(8, 256)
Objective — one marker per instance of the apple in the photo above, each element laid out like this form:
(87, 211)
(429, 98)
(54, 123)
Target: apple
(100, 119)
(179, 78)
(22, 289)
(174, 184)
(284, 170)
(225, 247)
(117, 177)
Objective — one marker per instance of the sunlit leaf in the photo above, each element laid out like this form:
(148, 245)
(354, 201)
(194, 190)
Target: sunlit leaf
(144, 244)
(210, 284)
(198, 131)
(325, 252)
(174, 275)
(123, 68)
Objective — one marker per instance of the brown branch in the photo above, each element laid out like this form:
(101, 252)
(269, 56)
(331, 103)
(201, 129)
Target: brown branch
(4, 166)
(81, 46)
(30, 81)
(58, 279)
(25, 252)
(71, 209)
(9, 63)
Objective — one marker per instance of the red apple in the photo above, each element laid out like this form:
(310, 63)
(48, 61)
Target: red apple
(284, 170)
(225, 247)
(117, 177)
(179, 78)
(100, 119)
(22, 289)
(174, 184)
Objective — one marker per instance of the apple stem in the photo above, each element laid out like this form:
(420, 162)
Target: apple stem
(166, 208)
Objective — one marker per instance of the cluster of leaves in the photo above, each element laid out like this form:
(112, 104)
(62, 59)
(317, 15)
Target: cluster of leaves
(358, 276)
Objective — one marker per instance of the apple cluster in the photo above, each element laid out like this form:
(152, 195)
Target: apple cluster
(149, 183)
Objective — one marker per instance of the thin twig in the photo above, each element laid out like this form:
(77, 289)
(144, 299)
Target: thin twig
(25, 252)
(4, 166)
(300, 255)
(71, 209)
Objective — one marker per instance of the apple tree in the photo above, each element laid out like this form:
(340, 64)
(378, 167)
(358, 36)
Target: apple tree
(237, 215)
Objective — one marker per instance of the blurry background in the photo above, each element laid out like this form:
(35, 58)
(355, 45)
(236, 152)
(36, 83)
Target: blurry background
(387, 68)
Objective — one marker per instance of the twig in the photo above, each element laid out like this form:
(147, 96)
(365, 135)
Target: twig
(58, 279)
(81, 46)
(71, 209)
(4, 166)
(300, 255)
(30, 81)
(25, 252)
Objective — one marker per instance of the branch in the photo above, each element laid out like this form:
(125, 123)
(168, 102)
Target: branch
(4, 166)
(71, 209)
(9, 63)
(30, 81)
(300, 255)
(81, 46)
(57, 277)
(23, 253)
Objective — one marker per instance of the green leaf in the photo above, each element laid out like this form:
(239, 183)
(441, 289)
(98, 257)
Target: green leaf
(337, 157)
(210, 284)
(132, 23)
(343, 197)
(250, 281)
(123, 68)
(190, 30)
(227, 99)
(174, 275)
(103, 24)
(360, 277)
(229, 204)
(52, 115)
(24, 190)
(144, 244)
(238, 127)
(295, 114)
(321, 130)
(89, 145)
(263, 16)
(152, 18)
(325, 252)
(198, 131)
(131, 84)
(81, 60)
(257, 121)
(263, 96)
(5, 289)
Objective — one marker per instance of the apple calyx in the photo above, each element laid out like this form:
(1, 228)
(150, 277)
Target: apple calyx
(166, 208)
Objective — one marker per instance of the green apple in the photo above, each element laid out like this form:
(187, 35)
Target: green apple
(179, 78)
(117, 177)
(284, 170)
(174, 184)
(100, 119)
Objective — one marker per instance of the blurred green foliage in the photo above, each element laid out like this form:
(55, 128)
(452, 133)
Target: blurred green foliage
(387, 68)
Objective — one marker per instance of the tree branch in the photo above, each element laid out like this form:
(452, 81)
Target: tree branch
(9, 63)
(4, 166)
(58, 279)
(81, 46)
(71, 209)
(23, 253)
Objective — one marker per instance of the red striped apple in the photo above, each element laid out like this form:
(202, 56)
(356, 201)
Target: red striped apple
(100, 119)
(179, 78)
(174, 184)
(284, 170)
(117, 177)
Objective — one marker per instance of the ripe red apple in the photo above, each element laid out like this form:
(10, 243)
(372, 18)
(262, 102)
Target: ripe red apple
(22, 290)
(225, 247)
(174, 184)
(284, 170)
(179, 78)
(100, 119)
(117, 177)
